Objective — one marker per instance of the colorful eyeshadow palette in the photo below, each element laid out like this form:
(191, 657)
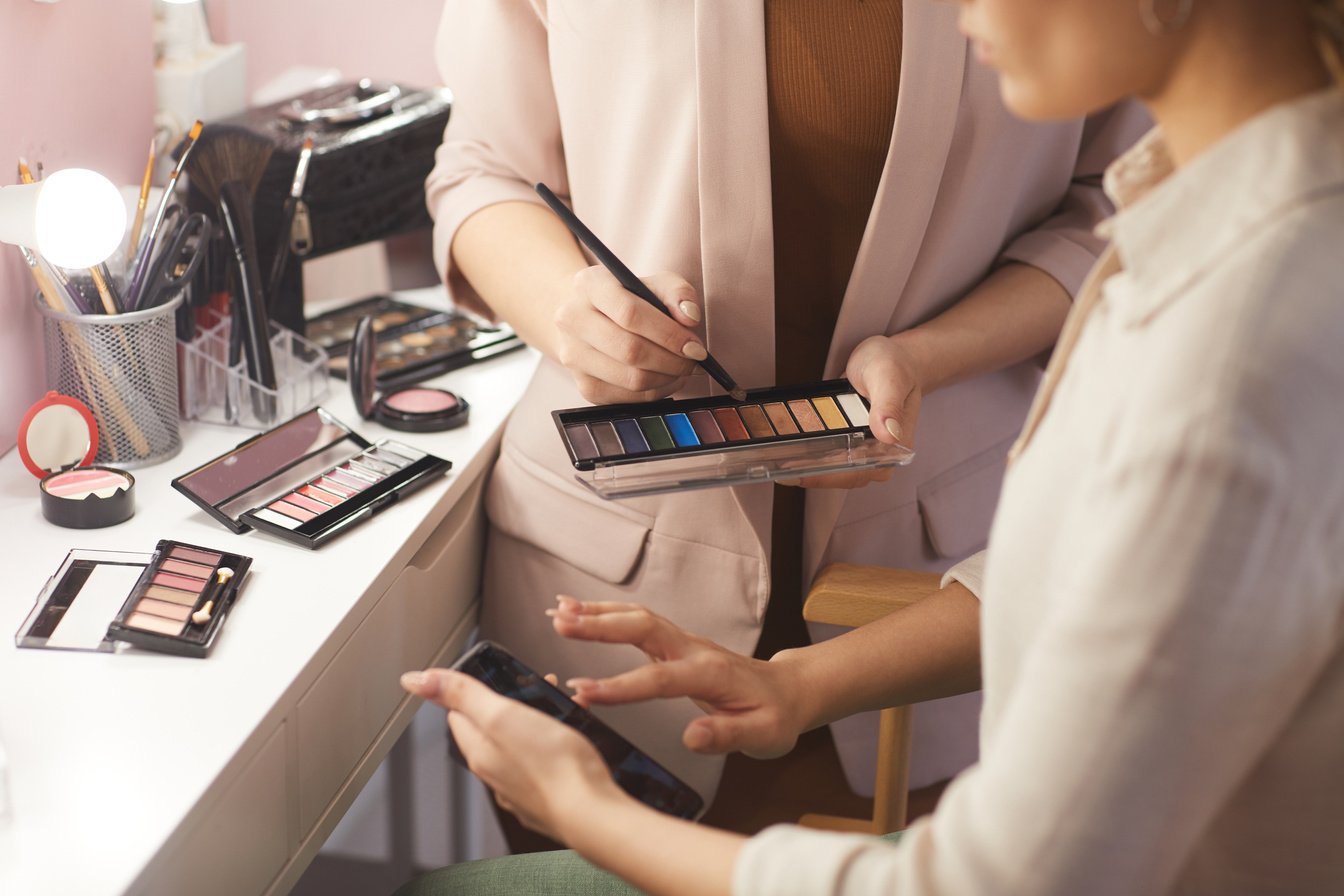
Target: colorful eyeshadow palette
(674, 445)
(174, 600)
(307, 480)
(413, 343)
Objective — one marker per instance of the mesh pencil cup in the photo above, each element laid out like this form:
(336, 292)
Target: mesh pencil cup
(124, 367)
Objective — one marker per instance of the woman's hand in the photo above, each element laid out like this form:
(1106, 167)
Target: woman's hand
(751, 705)
(539, 768)
(886, 371)
(617, 346)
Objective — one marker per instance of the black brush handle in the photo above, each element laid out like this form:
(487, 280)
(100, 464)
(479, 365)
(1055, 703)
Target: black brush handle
(281, 259)
(624, 275)
(235, 210)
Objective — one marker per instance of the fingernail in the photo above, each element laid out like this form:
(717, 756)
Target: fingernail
(695, 351)
(697, 738)
(893, 427)
(552, 612)
(414, 680)
(575, 683)
(691, 310)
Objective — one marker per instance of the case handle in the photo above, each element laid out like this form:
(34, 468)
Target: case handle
(368, 101)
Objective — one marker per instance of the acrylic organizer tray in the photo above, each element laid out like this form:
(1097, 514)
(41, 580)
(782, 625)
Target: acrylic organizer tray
(414, 343)
(627, 450)
(215, 391)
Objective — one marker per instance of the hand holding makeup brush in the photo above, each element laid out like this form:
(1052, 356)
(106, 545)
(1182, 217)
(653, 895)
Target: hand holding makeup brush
(617, 346)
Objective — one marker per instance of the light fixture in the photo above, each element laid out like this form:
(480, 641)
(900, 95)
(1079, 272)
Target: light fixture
(73, 218)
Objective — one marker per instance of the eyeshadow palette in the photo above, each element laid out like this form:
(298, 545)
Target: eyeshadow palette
(174, 600)
(413, 343)
(307, 480)
(677, 444)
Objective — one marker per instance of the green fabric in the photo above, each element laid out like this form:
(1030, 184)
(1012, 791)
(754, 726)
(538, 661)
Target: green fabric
(559, 873)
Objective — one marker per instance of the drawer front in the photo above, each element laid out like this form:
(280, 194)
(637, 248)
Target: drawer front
(243, 841)
(352, 700)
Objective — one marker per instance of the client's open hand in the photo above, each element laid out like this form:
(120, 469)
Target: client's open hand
(751, 705)
(540, 769)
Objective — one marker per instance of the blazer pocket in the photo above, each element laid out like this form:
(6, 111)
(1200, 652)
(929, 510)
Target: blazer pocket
(604, 541)
(958, 504)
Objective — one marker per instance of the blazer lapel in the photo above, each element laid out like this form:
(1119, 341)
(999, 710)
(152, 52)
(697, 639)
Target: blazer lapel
(736, 232)
(933, 63)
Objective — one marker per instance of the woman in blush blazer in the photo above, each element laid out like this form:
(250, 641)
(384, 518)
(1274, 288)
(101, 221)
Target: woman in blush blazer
(661, 124)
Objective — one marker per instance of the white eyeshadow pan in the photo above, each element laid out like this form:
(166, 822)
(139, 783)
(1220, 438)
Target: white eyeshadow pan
(854, 408)
(279, 519)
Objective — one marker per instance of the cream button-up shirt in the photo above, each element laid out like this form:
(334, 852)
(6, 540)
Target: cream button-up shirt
(1163, 594)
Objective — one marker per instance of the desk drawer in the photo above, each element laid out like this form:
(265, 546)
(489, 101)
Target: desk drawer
(350, 703)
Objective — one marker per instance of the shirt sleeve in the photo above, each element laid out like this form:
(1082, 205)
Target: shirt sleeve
(1181, 637)
(503, 135)
(1065, 245)
(969, 572)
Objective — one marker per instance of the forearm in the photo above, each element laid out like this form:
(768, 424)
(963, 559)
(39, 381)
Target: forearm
(659, 854)
(925, 651)
(1015, 314)
(519, 257)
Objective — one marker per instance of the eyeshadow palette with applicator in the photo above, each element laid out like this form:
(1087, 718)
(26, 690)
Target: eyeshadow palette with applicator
(790, 432)
(174, 600)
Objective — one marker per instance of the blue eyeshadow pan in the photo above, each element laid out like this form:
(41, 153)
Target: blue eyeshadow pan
(682, 431)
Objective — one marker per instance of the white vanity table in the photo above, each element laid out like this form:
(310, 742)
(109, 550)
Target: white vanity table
(139, 772)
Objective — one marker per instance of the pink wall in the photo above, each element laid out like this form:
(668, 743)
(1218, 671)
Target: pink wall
(78, 90)
(76, 81)
(385, 41)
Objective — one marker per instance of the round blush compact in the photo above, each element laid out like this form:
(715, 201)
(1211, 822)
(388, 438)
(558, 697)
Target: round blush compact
(58, 438)
(409, 409)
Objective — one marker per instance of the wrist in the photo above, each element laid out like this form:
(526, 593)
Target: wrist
(920, 358)
(587, 823)
(802, 709)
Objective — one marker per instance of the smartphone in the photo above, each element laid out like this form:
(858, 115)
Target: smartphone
(636, 773)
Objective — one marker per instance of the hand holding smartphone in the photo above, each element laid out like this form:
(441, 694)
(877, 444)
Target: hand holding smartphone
(634, 771)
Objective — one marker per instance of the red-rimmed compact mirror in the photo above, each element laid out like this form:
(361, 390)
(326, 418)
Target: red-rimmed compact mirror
(58, 439)
(409, 409)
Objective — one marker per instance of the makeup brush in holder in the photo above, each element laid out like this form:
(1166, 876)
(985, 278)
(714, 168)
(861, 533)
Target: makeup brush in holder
(226, 166)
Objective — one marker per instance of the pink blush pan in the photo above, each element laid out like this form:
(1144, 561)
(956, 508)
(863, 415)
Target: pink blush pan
(422, 401)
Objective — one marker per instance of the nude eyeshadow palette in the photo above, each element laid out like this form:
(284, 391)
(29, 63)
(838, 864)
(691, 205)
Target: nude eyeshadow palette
(678, 444)
(308, 480)
(174, 600)
(413, 343)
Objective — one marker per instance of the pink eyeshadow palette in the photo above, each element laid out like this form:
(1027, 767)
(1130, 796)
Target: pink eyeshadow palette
(680, 444)
(174, 600)
(307, 480)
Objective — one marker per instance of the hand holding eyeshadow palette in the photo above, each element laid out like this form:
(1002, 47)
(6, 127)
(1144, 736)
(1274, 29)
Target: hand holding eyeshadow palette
(307, 480)
(648, 448)
(174, 600)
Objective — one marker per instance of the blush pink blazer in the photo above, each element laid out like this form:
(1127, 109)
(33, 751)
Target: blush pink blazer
(650, 118)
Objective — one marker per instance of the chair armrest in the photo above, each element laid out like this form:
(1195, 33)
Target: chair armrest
(853, 595)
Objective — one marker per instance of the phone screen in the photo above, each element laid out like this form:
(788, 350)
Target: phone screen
(635, 772)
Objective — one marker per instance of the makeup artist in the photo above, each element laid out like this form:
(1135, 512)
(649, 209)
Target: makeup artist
(791, 178)
(1162, 637)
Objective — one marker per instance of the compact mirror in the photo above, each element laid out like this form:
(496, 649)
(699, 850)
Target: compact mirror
(58, 432)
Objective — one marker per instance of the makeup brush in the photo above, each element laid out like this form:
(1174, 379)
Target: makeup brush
(226, 167)
(136, 279)
(632, 283)
(134, 242)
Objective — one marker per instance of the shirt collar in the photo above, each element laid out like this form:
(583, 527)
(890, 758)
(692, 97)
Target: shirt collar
(1174, 224)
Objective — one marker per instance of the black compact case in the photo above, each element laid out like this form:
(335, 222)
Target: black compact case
(308, 479)
(373, 147)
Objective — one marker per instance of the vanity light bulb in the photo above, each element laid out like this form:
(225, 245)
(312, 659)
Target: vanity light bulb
(80, 218)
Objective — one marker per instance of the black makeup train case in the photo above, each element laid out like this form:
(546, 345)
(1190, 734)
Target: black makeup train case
(373, 147)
